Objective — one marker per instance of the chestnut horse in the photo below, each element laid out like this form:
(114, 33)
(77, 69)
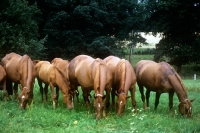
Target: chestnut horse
(62, 65)
(124, 79)
(91, 74)
(3, 81)
(20, 70)
(162, 78)
(50, 75)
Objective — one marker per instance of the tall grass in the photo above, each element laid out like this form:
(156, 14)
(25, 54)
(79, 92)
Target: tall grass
(42, 118)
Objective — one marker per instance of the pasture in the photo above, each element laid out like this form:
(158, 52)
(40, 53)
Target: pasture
(42, 118)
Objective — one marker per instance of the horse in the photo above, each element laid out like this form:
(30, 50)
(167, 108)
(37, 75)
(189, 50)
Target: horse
(162, 78)
(124, 79)
(19, 70)
(91, 74)
(51, 76)
(3, 81)
(62, 65)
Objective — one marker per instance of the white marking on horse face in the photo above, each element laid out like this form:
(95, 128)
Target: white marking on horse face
(23, 97)
(99, 105)
(120, 102)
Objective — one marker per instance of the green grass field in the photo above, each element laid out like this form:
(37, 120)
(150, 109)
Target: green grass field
(42, 118)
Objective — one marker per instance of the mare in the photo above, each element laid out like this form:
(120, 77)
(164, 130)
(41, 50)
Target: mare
(51, 76)
(62, 65)
(19, 70)
(124, 79)
(162, 78)
(3, 81)
(91, 74)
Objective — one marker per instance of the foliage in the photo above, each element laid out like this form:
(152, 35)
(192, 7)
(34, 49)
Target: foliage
(75, 26)
(19, 29)
(178, 21)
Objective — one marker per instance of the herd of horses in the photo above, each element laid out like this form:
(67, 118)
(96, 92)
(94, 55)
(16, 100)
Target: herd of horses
(110, 76)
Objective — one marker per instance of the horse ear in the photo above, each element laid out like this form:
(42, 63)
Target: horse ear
(128, 97)
(192, 100)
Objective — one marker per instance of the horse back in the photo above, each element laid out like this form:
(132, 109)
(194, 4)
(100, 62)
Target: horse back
(80, 70)
(154, 76)
(11, 64)
(61, 64)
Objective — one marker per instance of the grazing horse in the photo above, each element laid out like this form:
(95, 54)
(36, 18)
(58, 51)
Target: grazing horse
(62, 65)
(3, 81)
(20, 70)
(124, 79)
(50, 75)
(162, 78)
(91, 74)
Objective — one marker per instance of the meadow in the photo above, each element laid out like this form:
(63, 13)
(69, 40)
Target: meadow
(42, 118)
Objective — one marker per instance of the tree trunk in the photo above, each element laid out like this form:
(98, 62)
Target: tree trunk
(130, 54)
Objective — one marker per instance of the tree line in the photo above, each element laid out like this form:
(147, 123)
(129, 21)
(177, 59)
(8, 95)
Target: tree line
(65, 28)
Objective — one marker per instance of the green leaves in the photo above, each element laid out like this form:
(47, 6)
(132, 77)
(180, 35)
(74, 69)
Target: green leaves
(19, 28)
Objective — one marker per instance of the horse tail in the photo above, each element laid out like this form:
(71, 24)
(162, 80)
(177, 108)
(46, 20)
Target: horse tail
(122, 72)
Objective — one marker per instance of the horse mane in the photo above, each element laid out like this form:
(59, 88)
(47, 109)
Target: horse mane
(24, 66)
(97, 75)
(178, 77)
(122, 68)
(60, 72)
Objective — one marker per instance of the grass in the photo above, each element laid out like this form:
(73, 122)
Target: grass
(42, 118)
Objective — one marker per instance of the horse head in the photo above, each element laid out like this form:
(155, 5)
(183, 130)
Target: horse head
(121, 103)
(25, 97)
(98, 105)
(185, 108)
(68, 100)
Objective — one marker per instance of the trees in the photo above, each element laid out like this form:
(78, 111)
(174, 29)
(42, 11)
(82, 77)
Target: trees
(95, 27)
(179, 23)
(19, 29)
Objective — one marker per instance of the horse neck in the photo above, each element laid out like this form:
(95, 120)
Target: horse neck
(178, 87)
(26, 72)
(60, 82)
(99, 78)
(121, 75)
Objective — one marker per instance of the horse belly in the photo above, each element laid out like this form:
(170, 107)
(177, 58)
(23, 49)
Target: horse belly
(85, 82)
(13, 75)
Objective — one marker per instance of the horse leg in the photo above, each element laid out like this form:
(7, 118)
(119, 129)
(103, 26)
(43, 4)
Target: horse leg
(141, 88)
(85, 97)
(171, 94)
(45, 92)
(41, 88)
(4, 91)
(132, 91)
(107, 99)
(77, 94)
(57, 95)
(53, 96)
(113, 97)
(147, 97)
(16, 90)
(157, 100)
(9, 87)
